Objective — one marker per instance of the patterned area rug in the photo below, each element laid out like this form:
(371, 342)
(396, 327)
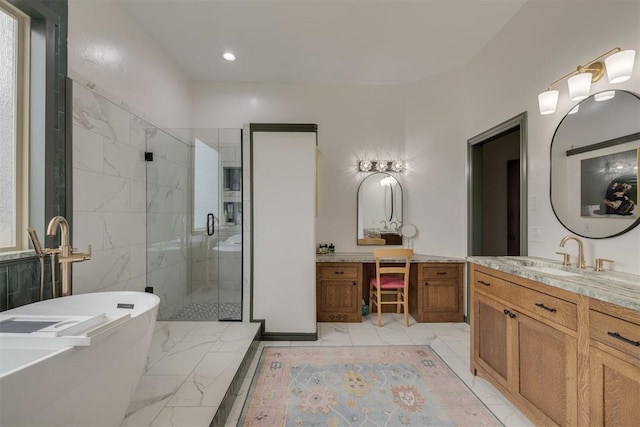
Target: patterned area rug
(359, 386)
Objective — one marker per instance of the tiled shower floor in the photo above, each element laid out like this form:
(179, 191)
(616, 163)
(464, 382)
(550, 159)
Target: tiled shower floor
(210, 311)
(191, 365)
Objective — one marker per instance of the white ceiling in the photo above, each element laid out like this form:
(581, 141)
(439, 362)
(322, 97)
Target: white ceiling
(338, 41)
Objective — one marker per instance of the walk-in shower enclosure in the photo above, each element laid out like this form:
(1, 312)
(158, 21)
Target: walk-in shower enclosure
(194, 222)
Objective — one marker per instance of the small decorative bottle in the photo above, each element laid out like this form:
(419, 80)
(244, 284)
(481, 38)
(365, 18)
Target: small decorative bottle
(332, 248)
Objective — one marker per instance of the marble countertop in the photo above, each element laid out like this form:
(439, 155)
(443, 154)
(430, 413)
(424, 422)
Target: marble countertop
(622, 289)
(368, 257)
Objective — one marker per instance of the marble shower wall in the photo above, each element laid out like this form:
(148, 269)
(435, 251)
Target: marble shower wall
(109, 193)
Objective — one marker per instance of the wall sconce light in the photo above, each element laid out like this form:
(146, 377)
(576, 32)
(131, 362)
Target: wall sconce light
(381, 165)
(618, 65)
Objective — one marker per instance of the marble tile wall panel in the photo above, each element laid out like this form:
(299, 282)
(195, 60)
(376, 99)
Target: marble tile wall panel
(109, 192)
(99, 115)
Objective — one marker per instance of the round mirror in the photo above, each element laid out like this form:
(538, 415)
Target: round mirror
(408, 230)
(379, 210)
(594, 165)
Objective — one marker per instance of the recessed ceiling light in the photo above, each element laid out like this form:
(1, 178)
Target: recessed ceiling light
(229, 56)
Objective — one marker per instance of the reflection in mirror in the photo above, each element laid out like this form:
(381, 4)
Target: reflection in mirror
(594, 166)
(379, 210)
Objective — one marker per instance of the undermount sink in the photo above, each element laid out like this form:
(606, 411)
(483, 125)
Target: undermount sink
(552, 271)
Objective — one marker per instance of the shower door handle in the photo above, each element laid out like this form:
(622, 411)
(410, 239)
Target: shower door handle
(210, 224)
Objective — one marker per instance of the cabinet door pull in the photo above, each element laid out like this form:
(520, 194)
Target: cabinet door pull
(355, 284)
(508, 313)
(426, 283)
(441, 273)
(621, 338)
(541, 305)
(485, 284)
(339, 272)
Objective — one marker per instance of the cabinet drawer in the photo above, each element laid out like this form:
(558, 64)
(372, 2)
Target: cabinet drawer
(441, 272)
(549, 307)
(340, 271)
(546, 306)
(615, 332)
(495, 286)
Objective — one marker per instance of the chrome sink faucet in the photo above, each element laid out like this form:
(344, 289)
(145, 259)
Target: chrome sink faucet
(581, 262)
(65, 252)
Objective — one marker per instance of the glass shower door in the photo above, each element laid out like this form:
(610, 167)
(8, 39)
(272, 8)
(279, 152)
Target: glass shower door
(204, 221)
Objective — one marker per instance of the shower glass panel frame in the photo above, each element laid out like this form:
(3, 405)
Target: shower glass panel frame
(194, 222)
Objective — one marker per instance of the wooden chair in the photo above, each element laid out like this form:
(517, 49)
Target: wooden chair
(391, 281)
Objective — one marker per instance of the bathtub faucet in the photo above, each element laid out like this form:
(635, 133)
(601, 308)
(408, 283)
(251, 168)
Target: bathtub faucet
(65, 253)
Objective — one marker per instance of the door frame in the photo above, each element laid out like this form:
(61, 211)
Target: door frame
(474, 190)
(474, 182)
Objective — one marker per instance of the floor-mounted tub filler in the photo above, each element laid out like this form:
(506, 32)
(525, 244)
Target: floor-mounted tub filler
(74, 361)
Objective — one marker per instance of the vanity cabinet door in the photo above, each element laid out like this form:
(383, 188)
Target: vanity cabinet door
(435, 295)
(614, 356)
(339, 292)
(615, 387)
(547, 364)
(493, 345)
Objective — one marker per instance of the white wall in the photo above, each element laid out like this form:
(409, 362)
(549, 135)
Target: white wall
(431, 119)
(544, 41)
(354, 122)
(107, 48)
(435, 150)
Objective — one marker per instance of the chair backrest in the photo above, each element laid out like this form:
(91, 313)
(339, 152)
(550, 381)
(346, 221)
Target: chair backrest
(393, 254)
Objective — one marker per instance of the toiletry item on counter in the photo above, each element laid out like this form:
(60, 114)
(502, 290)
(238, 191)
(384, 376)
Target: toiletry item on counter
(332, 249)
(323, 248)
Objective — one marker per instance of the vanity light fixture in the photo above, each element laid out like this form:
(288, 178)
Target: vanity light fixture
(229, 56)
(618, 65)
(381, 165)
(397, 165)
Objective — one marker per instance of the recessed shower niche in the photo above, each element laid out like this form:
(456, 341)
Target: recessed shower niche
(194, 223)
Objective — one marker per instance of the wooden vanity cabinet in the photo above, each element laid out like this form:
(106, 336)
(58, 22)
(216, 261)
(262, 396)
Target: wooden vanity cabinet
(339, 292)
(435, 292)
(614, 359)
(524, 342)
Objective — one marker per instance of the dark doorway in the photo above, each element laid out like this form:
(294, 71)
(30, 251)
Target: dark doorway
(497, 190)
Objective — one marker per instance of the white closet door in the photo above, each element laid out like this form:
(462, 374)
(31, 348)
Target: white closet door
(284, 283)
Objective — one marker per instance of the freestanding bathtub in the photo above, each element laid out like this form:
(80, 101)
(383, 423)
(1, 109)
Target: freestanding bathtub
(74, 361)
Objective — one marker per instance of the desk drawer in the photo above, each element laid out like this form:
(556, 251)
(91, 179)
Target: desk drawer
(445, 271)
(340, 271)
(615, 332)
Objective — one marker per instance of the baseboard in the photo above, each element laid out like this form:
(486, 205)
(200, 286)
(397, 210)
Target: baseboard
(289, 336)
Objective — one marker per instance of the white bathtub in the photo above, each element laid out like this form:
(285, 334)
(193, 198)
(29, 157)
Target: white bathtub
(81, 371)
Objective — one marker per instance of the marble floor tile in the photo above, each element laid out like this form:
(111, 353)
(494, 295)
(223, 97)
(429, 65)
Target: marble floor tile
(208, 383)
(175, 416)
(210, 353)
(181, 360)
(150, 398)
